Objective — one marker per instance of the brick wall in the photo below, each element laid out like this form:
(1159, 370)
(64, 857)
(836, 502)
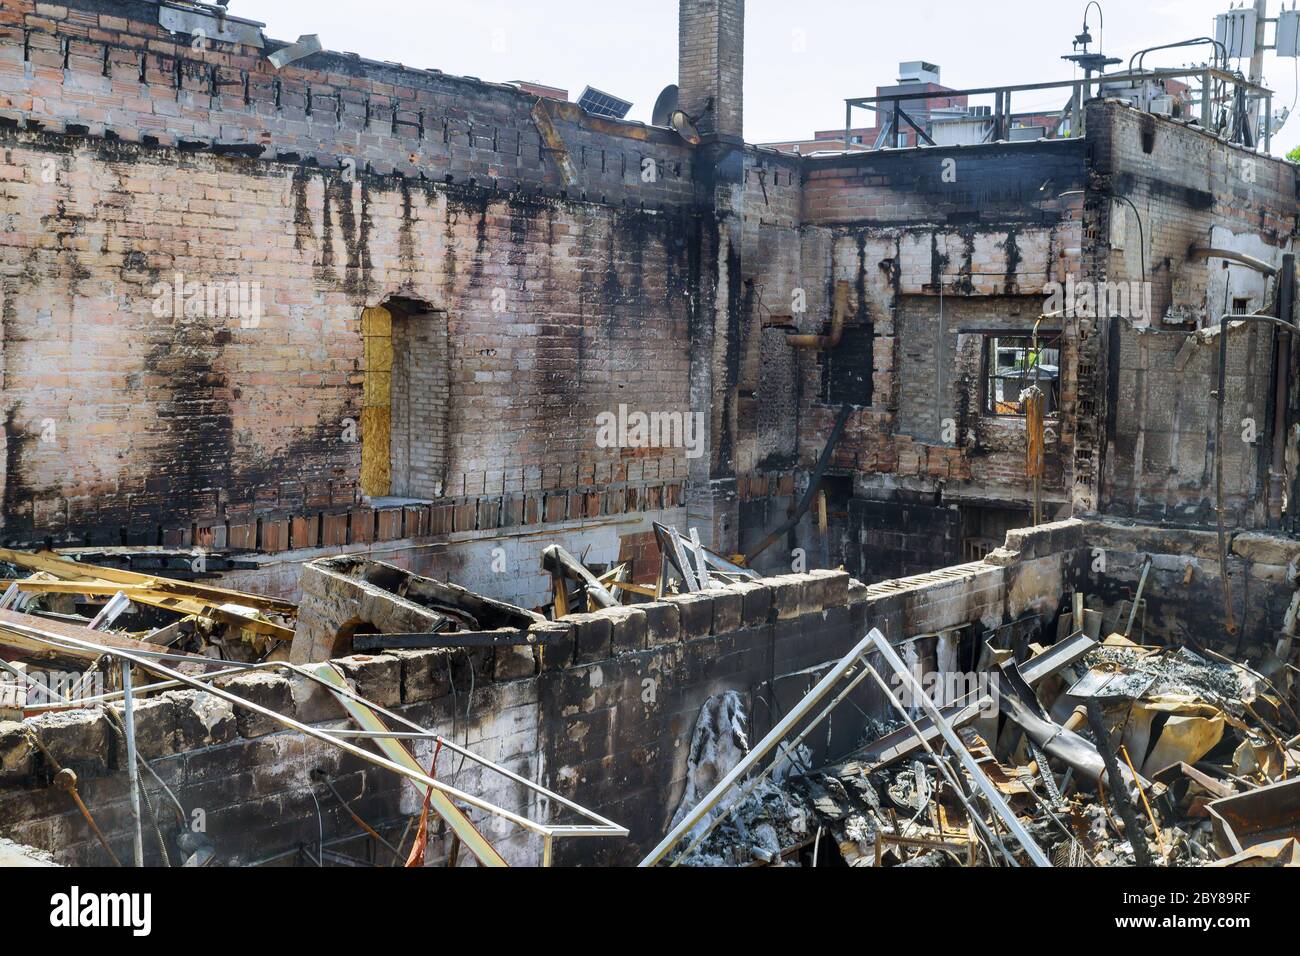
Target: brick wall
(122, 423)
(711, 64)
(972, 234)
(421, 405)
(955, 186)
(108, 67)
(1160, 459)
(1147, 449)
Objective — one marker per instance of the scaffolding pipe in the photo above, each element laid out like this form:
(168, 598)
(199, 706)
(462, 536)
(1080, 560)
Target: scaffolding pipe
(132, 772)
(764, 747)
(443, 793)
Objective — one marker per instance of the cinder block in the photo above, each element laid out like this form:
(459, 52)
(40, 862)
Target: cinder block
(424, 674)
(858, 592)
(201, 719)
(696, 611)
(631, 628)
(827, 589)
(556, 644)
(663, 623)
(155, 728)
(594, 634)
(756, 603)
(312, 701)
(77, 739)
(378, 678)
(789, 596)
(17, 755)
(268, 690)
(514, 662)
(727, 607)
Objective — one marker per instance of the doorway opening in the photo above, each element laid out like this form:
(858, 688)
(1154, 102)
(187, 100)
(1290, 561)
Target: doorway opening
(406, 400)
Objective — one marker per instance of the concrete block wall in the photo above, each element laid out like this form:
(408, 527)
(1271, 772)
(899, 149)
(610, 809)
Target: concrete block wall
(249, 784)
(1184, 591)
(602, 709)
(501, 562)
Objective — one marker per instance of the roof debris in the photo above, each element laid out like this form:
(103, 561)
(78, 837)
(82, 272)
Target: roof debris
(1205, 752)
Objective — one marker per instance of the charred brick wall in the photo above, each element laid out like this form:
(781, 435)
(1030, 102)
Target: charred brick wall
(1161, 458)
(957, 186)
(965, 239)
(559, 252)
(108, 67)
(1159, 189)
(772, 259)
(1189, 189)
(556, 310)
(895, 539)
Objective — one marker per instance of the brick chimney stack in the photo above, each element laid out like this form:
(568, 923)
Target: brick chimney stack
(711, 65)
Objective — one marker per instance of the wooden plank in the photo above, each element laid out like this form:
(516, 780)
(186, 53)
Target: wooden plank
(556, 558)
(15, 634)
(69, 570)
(160, 599)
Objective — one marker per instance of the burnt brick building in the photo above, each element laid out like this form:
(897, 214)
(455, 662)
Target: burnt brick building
(346, 304)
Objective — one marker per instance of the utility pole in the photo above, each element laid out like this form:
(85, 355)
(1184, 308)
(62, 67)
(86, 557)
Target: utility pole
(1257, 67)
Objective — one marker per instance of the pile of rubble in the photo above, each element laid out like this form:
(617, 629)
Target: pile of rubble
(1084, 753)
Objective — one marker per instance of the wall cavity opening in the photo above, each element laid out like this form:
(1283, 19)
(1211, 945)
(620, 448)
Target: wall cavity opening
(404, 416)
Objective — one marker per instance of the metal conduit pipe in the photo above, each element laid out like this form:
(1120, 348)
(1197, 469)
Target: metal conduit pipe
(1220, 52)
(838, 317)
(1198, 253)
(1286, 343)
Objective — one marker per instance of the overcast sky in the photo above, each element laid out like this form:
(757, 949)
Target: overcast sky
(802, 59)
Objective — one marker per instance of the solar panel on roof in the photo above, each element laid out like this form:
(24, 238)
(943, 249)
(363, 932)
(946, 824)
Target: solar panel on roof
(603, 104)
